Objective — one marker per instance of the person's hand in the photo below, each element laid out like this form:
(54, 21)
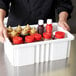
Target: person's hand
(63, 20)
(3, 33)
(64, 25)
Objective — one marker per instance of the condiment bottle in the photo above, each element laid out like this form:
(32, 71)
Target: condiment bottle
(49, 26)
(24, 33)
(27, 27)
(59, 35)
(47, 36)
(17, 40)
(14, 33)
(9, 29)
(37, 37)
(18, 29)
(29, 39)
(33, 31)
(40, 26)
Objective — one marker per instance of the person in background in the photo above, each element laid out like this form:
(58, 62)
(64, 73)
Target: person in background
(29, 11)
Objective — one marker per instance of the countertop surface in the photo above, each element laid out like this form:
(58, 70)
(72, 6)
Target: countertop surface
(66, 67)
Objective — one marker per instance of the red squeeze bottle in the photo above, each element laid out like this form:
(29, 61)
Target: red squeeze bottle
(29, 39)
(37, 36)
(59, 35)
(49, 26)
(40, 26)
(46, 35)
(17, 40)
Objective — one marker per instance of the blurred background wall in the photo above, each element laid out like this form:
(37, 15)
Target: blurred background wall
(72, 21)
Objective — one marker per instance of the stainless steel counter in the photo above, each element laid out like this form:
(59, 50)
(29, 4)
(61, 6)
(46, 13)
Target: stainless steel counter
(66, 67)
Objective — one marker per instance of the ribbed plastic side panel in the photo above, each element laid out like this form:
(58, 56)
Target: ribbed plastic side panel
(42, 53)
